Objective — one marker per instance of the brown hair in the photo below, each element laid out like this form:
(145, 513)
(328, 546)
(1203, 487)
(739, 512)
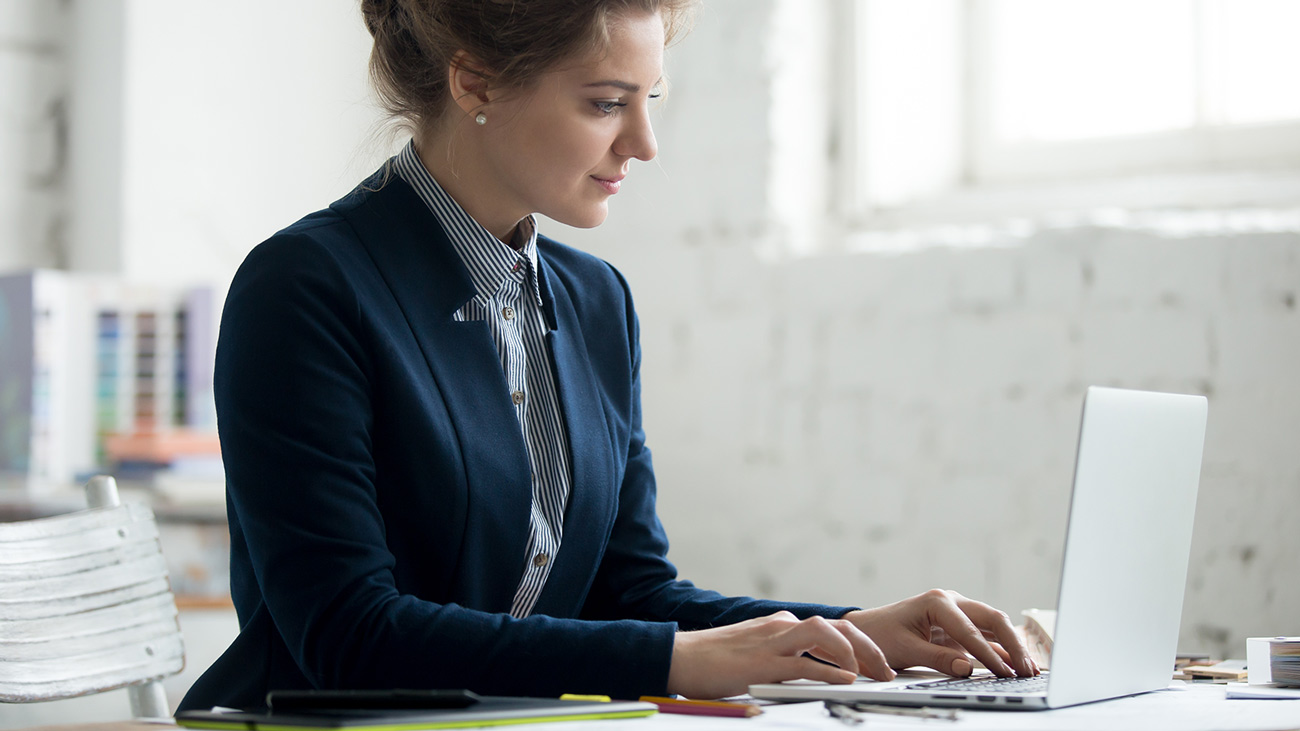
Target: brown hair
(514, 41)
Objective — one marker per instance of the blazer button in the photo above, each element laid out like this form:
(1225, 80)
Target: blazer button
(517, 397)
(540, 560)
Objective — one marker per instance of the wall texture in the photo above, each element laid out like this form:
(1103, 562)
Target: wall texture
(33, 132)
(860, 428)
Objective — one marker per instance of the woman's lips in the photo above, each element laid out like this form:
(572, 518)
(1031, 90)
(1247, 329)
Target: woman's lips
(611, 185)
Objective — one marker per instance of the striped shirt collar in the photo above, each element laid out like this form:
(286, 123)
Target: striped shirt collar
(488, 260)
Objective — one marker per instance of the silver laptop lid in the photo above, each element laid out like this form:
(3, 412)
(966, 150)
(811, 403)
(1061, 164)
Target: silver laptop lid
(1137, 471)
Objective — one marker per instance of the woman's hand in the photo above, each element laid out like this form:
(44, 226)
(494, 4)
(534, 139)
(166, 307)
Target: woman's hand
(715, 663)
(938, 628)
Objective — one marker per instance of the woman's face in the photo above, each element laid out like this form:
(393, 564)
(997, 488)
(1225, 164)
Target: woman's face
(562, 147)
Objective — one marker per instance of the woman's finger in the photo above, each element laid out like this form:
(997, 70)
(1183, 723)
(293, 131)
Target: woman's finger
(871, 660)
(946, 657)
(817, 634)
(989, 619)
(997, 647)
(793, 668)
(962, 629)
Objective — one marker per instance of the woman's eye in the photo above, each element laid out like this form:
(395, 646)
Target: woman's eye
(607, 107)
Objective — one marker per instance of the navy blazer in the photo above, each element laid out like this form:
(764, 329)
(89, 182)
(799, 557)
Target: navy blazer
(378, 485)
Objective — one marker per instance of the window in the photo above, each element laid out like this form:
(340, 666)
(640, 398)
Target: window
(959, 94)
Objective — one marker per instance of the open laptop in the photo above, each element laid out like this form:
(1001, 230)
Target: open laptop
(1127, 545)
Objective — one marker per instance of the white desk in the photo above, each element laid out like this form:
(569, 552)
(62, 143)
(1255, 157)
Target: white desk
(1199, 708)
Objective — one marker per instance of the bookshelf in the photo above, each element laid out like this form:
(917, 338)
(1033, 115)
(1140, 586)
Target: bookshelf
(100, 375)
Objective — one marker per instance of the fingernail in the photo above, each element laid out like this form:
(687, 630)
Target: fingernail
(961, 668)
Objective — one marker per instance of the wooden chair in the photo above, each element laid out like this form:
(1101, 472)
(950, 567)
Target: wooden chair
(86, 606)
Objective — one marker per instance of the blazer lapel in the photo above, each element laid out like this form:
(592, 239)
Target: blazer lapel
(589, 515)
(429, 283)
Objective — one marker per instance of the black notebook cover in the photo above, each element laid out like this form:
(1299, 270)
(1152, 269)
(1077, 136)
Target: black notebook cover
(487, 711)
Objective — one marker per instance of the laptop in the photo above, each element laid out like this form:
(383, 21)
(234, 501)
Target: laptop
(1127, 545)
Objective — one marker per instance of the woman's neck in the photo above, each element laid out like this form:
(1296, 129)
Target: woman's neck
(453, 163)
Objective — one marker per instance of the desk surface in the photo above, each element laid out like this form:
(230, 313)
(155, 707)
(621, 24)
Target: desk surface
(1195, 708)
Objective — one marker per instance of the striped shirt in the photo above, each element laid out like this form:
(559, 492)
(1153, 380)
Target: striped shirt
(507, 297)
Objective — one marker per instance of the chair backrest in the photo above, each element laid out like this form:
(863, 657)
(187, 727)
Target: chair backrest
(86, 606)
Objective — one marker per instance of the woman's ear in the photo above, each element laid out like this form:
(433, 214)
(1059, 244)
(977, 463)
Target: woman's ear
(467, 82)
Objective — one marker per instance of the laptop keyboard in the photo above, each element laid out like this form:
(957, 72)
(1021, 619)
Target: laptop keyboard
(1036, 684)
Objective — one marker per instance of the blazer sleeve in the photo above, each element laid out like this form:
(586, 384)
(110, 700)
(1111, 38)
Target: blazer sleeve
(636, 579)
(293, 396)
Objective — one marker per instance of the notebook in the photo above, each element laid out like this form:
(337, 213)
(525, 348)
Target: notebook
(485, 711)
(1129, 537)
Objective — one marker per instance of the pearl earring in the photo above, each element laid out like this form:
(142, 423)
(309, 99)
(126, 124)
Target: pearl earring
(481, 118)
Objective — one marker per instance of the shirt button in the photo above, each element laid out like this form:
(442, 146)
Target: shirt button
(540, 560)
(508, 313)
(517, 397)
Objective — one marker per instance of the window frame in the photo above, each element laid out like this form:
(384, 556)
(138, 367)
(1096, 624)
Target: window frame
(1027, 177)
(1202, 148)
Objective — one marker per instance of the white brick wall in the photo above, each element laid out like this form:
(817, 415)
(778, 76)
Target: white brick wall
(920, 430)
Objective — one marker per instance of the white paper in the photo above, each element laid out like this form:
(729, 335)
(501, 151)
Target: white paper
(1263, 692)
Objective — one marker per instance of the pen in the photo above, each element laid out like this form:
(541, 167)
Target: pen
(852, 712)
(703, 708)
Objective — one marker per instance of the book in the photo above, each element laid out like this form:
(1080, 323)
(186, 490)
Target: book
(1273, 660)
(1284, 661)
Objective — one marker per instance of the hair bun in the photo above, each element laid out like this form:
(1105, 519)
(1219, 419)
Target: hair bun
(376, 12)
(513, 41)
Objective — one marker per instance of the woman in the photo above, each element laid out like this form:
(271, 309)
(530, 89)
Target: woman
(430, 414)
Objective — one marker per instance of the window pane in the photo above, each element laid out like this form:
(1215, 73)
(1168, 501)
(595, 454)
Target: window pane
(1263, 60)
(1071, 70)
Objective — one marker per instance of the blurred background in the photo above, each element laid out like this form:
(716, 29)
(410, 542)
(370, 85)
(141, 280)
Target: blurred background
(885, 247)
